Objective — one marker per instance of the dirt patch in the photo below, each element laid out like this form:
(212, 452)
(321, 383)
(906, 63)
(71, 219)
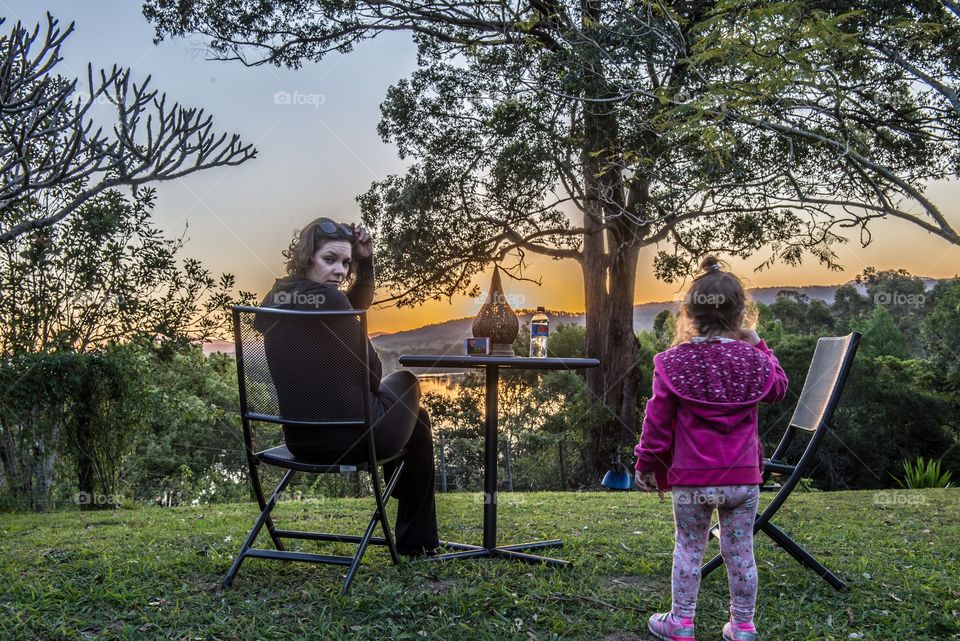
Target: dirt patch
(625, 636)
(635, 582)
(439, 586)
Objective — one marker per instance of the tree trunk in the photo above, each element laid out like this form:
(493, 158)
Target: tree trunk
(86, 469)
(609, 267)
(619, 380)
(562, 468)
(621, 374)
(14, 465)
(594, 296)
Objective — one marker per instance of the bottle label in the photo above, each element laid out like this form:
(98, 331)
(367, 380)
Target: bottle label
(539, 330)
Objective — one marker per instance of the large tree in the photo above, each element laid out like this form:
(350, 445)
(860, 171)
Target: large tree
(51, 149)
(589, 130)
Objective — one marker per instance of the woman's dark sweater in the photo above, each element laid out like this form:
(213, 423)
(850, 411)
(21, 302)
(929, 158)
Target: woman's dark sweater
(293, 292)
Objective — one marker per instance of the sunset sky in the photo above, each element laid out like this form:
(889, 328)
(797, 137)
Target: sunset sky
(321, 150)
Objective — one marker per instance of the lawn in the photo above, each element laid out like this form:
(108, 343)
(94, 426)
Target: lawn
(153, 573)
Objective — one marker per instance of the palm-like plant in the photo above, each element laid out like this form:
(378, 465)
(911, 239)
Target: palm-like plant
(924, 473)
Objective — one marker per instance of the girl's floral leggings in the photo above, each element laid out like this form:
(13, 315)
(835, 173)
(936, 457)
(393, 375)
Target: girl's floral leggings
(692, 510)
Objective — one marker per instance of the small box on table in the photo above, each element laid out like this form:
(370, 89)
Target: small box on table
(476, 346)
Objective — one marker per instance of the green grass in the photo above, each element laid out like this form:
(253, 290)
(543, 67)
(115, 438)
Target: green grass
(153, 573)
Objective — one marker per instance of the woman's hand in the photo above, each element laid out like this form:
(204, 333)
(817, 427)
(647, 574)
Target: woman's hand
(363, 248)
(646, 481)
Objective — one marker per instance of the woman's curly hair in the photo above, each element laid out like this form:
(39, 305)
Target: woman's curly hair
(308, 240)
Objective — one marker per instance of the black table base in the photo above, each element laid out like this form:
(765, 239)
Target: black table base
(517, 551)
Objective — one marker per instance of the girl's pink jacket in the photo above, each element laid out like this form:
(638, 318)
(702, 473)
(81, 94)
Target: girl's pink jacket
(700, 426)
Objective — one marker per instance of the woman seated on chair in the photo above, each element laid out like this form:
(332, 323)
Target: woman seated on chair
(322, 258)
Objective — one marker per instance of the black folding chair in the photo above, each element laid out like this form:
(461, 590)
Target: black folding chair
(307, 370)
(814, 412)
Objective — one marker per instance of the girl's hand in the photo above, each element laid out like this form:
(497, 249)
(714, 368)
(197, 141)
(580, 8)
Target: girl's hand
(646, 481)
(750, 336)
(364, 244)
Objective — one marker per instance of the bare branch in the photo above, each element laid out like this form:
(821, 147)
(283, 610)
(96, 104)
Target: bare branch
(47, 139)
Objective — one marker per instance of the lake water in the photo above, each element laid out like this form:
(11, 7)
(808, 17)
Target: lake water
(442, 384)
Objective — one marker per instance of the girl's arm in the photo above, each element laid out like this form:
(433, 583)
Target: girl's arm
(779, 388)
(655, 451)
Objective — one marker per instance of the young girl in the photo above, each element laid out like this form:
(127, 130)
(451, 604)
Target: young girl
(700, 437)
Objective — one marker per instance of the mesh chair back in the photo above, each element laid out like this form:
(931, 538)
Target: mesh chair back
(821, 388)
(302, 367)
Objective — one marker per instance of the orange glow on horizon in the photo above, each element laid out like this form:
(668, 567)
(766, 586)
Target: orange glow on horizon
(896, 245)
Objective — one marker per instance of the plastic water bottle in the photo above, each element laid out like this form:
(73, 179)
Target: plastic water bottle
(539, 332)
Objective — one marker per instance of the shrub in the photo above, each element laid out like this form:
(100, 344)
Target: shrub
(924, 473)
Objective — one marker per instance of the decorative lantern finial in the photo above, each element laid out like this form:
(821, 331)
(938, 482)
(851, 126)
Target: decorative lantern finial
(496, 319)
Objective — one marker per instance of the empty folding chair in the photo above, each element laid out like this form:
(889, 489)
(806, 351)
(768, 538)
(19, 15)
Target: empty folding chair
(812, 417)
(307, 370)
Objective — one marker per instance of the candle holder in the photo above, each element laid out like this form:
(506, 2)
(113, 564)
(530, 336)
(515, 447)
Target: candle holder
(496, 319)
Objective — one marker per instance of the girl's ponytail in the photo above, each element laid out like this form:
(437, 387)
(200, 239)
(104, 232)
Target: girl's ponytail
(709, 265)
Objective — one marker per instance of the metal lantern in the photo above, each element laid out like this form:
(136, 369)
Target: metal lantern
(496, 319)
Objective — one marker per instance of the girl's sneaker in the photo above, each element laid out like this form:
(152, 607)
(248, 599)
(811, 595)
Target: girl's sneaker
(739, 632)
(667, 627)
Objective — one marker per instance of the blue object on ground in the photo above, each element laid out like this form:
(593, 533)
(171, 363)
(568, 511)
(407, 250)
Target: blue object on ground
(614, 480)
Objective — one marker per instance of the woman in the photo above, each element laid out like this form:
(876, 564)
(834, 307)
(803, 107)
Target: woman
(321, 258)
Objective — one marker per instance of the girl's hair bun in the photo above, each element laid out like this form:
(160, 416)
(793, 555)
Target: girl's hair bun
(709, 264)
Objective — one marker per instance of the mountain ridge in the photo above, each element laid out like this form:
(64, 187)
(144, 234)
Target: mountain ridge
(447, 337)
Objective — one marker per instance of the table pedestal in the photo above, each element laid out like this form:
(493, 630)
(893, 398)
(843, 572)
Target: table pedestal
(492, 364)
(516, 551)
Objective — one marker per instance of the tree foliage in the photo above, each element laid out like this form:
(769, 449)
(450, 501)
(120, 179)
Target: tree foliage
(941, 334)
(104, 276)
(880, 335)
(589, 130)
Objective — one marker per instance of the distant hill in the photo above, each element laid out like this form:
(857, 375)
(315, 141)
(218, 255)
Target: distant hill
(447, 337)
(210, 347)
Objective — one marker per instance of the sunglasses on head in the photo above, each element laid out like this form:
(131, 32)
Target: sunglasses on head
(331, 228)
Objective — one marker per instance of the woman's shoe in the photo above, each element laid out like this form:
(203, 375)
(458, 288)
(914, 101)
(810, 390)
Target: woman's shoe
(667, 627)
(739, 632)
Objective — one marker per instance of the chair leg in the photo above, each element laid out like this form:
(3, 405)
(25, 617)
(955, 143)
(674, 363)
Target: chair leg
(382, 511)
(379, 516)
(793, 549)
(261, 520)
(258, 492)
(711, 565)
(801, 555)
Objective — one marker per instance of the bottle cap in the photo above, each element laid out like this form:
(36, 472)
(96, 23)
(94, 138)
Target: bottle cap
(540, 309)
